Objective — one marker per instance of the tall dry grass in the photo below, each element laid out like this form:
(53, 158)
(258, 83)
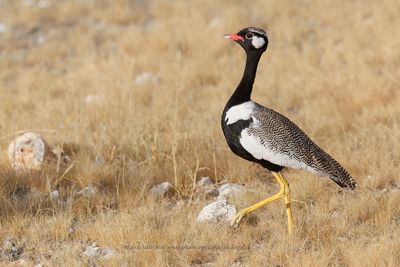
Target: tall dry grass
(332, 67)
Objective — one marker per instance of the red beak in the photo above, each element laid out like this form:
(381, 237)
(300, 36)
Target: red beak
(233, 36)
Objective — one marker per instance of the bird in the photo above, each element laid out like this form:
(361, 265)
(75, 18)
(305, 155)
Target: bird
(261, 135)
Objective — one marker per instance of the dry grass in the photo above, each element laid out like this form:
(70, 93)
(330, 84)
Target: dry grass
(331, 67)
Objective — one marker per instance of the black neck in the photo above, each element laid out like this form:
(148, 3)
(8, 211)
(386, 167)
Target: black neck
(243, 91)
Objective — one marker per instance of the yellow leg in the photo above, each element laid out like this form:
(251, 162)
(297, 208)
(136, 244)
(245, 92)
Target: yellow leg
(287, 203)
(282, 193)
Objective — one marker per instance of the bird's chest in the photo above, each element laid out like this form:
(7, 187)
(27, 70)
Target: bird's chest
(234, 120)
(232, 133)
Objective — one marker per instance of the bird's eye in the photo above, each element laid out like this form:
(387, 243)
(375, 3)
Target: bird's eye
(249, 35)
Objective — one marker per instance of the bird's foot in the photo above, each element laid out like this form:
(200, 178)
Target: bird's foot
(239, 216)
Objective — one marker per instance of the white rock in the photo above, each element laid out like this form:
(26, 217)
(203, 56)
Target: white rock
(36, 4)
(214, 22)
(205, 181)
(27, 151)
(3, 28)
(88, 191)
(230, 189)
(10, 250)
(108, 253)
(27, 2)
(336, 215)
(99, 160)
(146, 77)
(162, 189)
(40, 39)
(8, 244)
(43, 4)
(93, 251)
(217, 211)
(92, 98)
(236, 264)
(54, 194)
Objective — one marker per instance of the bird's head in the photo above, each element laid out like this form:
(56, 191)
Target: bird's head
(252, 39)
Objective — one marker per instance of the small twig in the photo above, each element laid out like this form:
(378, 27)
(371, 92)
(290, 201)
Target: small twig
(214, 159)
(154, 146)
(9, 203)
(112, 154)
(174, 164)
(173, 143)
(215, 168)
(194, 178)
(59, 151)
(64, 173)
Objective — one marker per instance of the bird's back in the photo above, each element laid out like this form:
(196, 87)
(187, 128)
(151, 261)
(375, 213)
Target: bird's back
(273, 137)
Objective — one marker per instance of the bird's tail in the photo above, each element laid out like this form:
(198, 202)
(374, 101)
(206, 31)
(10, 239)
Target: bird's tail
(331, 168)
(343, 178)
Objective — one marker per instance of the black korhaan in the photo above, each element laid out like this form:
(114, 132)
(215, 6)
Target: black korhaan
(266, 137)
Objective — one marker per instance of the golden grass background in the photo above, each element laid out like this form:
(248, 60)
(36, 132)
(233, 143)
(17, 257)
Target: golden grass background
(332, 67)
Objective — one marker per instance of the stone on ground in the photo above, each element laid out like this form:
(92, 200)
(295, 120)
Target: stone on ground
(28, 152)
(217, 211)
(205, 181)
(93, 251)
(88, 191)
(230, 189)
(162, 190)
(9, 250)
(146, 77)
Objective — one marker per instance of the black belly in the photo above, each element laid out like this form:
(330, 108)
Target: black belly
(232, 134)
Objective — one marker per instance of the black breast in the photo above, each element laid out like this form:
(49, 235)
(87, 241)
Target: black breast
(232, 133)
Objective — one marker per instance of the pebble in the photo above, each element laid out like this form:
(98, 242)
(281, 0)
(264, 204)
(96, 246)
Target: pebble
(230, 189)
(54, 194)
(162, 189)
(88, 191)
(28, 152)
(10, 250)
(217, 211)
(3, 28)
(205, 181)
(146, 77)
(93, 251)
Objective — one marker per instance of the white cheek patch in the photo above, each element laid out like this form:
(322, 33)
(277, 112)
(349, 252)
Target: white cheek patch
(257, 42)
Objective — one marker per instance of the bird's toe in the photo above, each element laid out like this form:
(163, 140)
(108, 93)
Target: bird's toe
(238, 217)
